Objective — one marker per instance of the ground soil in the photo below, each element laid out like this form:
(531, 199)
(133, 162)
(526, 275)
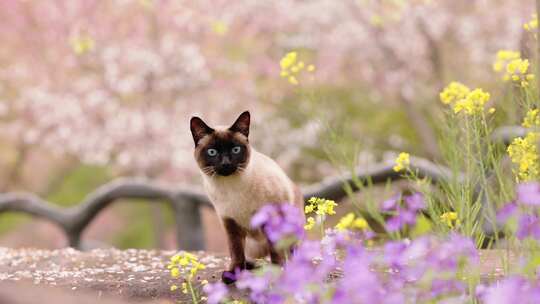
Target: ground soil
(32, 276)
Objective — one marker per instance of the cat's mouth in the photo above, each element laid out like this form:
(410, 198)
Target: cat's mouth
(226, 170)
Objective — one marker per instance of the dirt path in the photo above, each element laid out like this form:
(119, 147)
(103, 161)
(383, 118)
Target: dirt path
(116, 276)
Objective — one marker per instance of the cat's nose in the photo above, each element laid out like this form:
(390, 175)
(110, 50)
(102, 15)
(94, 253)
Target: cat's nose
(225, 161)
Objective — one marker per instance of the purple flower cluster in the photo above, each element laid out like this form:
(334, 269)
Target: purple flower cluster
(341, 270)
(404, 215)
(526, 209)
(514, 289)
(280, 222)
(216, 292)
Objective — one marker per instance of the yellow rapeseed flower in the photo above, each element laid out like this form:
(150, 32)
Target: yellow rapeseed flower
(175, 272)
(450, 219)
(532, 24)
(402, 162)
(186, 261)
(532, 119)
(288, 60)
(82, 44)
(513, 67)
(293, 80)
(473, 103)
(310, 223)
(184, 288)
(350, 221)
(219, 27)
(148, 4)
(321, 206)
(454, 92)
(523, 152)
(503, 57)
(291, 67)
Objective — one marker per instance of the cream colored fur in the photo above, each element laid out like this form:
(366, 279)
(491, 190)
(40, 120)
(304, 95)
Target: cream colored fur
(240, 195)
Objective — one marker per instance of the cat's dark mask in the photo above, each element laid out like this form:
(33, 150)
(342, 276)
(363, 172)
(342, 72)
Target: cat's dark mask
(222, 151)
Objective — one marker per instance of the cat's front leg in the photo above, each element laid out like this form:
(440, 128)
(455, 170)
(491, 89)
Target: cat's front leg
(236, 237)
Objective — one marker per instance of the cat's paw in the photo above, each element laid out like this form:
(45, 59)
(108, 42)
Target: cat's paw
(228, 277)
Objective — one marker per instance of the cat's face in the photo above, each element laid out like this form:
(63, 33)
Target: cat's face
(222, 151)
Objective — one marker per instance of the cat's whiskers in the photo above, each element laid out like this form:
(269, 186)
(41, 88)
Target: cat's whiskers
(209, 170)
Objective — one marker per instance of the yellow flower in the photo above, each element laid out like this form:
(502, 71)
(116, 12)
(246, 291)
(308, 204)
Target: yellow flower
(321, 206)
(532, 119)
(524, 153)
(310, 223)
(514, 68)
(503, 57)
(473, 102)
(345, 222)
(288, 60)
(293, 80)
(82, 44)
(454, 92)
(175, 273)
(491, 110)
(174, 287)
(184, 288)
(402, 162)
(360, 223)
(376, 20)
(219, 27)
(517, 66)
(186, 261)
(532, 24)
(148, 4)
(450, 219)
(350, 221)
(291, 67)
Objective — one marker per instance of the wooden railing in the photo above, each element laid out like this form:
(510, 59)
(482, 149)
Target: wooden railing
(186, 204)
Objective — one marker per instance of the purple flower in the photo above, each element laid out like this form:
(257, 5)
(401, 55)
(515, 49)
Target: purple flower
(415, 202)
(259, 286)
(216, 292)
(407, 215)
(357, 275)
(529, 193)
(393, 254)
(402, 218)
(506, 212)
(512, 290)
(390, 204)
(528, 226)
(279, 222)
(446, 287)
(394, 224)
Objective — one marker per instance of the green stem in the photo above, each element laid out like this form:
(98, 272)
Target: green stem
(192, 292)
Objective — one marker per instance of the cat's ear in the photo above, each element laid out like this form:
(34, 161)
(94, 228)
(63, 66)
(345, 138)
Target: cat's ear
(241, 124)
(199, 129)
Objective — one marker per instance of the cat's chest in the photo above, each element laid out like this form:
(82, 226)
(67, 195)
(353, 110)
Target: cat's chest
(240, 198)
(236, 200)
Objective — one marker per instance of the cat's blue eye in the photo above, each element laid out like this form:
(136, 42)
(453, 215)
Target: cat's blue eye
(236, 150)
(211, 152)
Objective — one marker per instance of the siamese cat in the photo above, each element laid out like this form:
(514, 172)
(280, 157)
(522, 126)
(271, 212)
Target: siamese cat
(239, 181)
